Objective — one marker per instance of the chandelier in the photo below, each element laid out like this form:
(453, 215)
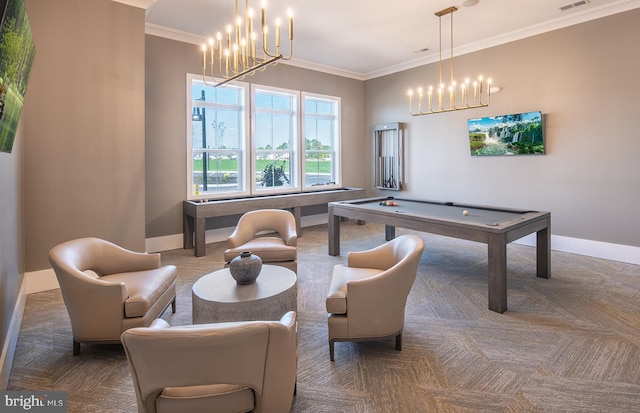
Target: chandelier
(233, 55)
(448, 98)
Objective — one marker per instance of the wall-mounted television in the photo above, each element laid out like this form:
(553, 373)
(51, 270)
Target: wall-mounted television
(505, 135)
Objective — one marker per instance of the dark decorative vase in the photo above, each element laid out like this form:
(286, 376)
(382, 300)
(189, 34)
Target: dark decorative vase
(245, 268)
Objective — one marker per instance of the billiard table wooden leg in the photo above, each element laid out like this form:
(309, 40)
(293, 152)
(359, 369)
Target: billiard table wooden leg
(334, 233)
(497, 263)
(543, 252)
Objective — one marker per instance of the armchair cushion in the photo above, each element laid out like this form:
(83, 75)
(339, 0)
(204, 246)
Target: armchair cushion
(144, 288)
(214, 398)
(269, 249)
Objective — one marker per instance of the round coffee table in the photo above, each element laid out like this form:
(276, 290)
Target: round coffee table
(217, 297)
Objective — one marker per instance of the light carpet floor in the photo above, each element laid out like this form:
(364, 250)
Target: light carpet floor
(570, 343)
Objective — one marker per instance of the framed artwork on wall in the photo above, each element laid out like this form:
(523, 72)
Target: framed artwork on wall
(514, 134)
(17, 53)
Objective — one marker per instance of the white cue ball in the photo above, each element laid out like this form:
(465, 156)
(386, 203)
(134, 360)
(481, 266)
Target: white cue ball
(465, 212)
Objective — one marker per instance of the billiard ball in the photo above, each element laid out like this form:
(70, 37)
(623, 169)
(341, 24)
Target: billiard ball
(465, 212)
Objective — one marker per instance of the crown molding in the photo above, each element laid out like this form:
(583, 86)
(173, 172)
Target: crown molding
(593, 13)
(576, 18)
(142, 4)
(304, 64)
(173, 34)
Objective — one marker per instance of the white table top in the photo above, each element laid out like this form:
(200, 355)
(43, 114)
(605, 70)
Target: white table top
(219, 286)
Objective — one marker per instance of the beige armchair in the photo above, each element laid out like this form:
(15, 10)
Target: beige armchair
(367, 297)
(278, 250)
(247, 366)
(108, 289)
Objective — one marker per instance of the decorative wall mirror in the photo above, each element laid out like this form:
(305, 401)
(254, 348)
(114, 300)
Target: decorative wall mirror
(389, 155)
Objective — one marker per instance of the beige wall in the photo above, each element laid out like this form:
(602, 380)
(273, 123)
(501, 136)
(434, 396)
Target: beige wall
(84, 126)
(585, 80)
(168, 63)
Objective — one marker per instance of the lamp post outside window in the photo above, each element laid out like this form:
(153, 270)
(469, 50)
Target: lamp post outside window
(198, 116)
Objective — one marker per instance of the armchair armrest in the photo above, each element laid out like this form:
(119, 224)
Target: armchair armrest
(109, 297)
(159, 323)
(380, 257)
(240, 236)
(289, 236)
(288, 319)
(365, 312)
(119, 260)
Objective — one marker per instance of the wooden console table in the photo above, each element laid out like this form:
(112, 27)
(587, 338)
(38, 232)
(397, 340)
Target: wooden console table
(195, 213)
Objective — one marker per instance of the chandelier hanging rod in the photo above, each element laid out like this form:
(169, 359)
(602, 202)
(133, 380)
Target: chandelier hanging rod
(455, 103)
(236, 53)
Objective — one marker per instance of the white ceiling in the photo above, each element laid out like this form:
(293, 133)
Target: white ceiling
(368, 38)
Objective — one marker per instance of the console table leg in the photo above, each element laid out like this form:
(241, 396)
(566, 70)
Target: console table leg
(187, 232)
(200, 233)
(298, 216)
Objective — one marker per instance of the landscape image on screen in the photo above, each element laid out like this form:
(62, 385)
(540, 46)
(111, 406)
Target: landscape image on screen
(17, 54)
(515, 134)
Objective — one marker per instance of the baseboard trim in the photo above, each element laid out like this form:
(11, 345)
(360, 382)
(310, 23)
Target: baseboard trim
(9, 348)
(597, 249)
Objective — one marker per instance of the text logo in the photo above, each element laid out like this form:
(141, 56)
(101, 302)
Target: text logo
(33, 401)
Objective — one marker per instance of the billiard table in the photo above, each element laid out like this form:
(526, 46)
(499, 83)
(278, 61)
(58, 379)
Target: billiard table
(493, 226)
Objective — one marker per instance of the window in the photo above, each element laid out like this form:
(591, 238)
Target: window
(217, 148)
(293, 144)
(275, 138)
(321, 131)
